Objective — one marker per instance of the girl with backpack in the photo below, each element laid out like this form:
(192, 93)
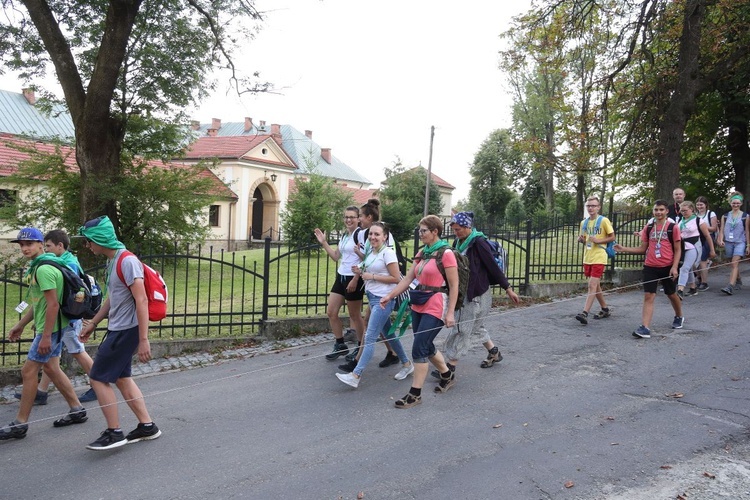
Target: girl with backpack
(712, 223)
(734, 236)
(691, 229)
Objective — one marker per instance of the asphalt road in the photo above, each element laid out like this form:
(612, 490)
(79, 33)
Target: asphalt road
(572, 412)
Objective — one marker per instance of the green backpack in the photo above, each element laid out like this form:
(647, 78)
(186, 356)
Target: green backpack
(462, 262)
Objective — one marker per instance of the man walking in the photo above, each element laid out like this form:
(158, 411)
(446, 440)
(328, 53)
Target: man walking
(126, 306)
(660, 241)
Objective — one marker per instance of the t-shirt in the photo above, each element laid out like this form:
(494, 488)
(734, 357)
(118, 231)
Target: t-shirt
(377, 263)
(595, 253)
(708, 218)
(45, 278)
(122, 315)
(348, 257)
(734, 228)
(659, 238)
(689, 229)
(427, 273)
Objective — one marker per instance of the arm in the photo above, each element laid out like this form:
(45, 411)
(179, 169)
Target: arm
(714, 225)
(141, 311)
(677, 250)
(51, 320)
(632, 250)
(321, 237)
(89, 326)
(402, 285)
(393, 275)
(15, 332)
(488, 261)
(604, 239)
(720, 236)
(451, 275)
(707, 237)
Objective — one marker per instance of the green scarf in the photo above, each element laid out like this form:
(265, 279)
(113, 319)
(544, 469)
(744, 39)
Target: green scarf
(684, 222)
(430, 249)
(463, 245)
(37, 260)
(102, 232)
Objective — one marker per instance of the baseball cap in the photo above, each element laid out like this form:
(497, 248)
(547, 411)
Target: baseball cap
(29, 234)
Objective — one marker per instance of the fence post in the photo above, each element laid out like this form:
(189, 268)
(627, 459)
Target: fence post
(614, 225)
(266, 274)
(416, 242)
(527, 270)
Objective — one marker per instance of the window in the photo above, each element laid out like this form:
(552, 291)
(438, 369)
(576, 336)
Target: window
(213, 215)
(7, 197)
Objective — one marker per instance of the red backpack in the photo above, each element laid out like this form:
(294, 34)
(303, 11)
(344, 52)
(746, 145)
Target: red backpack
(156, 288)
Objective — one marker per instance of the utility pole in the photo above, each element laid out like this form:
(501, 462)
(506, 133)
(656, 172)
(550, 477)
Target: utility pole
(429, 175)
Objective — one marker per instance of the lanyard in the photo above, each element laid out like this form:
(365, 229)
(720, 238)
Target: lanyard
(661, 233)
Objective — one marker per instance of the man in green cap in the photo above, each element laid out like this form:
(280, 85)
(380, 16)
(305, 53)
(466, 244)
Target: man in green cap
(126, 308)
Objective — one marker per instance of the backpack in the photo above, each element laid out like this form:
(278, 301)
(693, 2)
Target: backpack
(671, 225)
(500, 255)
(156, 288)
(81, 296)
(462, 263)
(610, 248)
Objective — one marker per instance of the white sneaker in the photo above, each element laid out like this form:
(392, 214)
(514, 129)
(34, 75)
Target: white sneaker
(348, 379)
(404, 372)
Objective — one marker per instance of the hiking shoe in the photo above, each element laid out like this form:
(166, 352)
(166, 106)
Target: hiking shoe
(352, 356)
(349, 379)
(408, 401)
(39, 400)
(144, 432)
(642, 332)
(404, 372)
(339, 349)
(692, 291)
(493, 356)
(73, 417)
(13, 431)
(108, 439)
(446, 383)
(703, 287)
(678, 322)
(738, 283)
(582, 317)
(87, 396)
(604, 313)
(681, 294)
(348, 367)
(390, 359)
(727, 289)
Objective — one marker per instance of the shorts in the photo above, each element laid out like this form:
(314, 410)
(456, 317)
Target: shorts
(652, 276)
(736, 249)
(706, 251)
(43, 358)
(339, 288)
(114, 358)
(426, 327)
(70, 337)
(593, 270)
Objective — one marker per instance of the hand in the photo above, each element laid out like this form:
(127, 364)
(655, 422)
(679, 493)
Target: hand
(581, 238)
(673, 273)
(356, 270)
(45, 345)
(144, 350)
(450, 319)
(319, 235)
(711, 254)
(513, 296)
(86, 330)
(15, 332)
(352, 286)
(720, 242)
(619, 248)
(384, 301)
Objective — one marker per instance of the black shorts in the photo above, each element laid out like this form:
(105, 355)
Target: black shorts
(339, 287)
(652, 276)
(115, 355)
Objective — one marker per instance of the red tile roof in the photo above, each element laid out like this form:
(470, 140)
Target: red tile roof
(437, 180)
(223, 146)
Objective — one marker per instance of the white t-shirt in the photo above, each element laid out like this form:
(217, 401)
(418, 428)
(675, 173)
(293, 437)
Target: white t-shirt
(348, 257)
(377, 263)
(708, 218)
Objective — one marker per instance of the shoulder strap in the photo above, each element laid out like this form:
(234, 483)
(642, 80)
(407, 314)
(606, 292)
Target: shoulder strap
(355, 234)
(118, 266)
(598, 223)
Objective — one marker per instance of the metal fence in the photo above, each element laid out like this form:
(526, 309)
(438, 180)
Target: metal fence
(231, 294)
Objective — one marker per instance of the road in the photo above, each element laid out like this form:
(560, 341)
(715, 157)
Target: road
(572, 412)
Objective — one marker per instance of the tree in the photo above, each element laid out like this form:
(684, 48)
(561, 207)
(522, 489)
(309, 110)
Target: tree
(402, 199)
(125, 72)
(490, 184)
(314, 202)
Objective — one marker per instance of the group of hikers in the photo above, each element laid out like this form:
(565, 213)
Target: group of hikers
(126, 309)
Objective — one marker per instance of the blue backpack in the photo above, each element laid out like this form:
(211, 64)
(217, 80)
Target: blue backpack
(500, 254)
(610, 248)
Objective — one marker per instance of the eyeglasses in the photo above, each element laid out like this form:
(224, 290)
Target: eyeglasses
(423, 231)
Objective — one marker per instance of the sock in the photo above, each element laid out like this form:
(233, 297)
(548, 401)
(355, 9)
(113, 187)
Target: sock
(415, 392)
(76, 408)
(118, 430)
(447, 375)
(605, 309)
(148, 425)
(451, 368)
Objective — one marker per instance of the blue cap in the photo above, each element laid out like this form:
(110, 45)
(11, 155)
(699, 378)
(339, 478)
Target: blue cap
(29, 234)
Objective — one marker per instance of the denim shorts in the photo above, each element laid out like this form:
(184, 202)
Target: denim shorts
(114, 357)
(70, 337)
(735, 249)
(43, 358)
(426, 328)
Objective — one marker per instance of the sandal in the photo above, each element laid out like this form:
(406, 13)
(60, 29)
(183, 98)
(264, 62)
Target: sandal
(73, 417)
(446, 383)
(408, 401)
(604, 313)
(493, 356)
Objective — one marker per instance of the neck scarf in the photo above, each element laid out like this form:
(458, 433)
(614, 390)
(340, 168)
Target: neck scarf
(430, 249)
(463, 245)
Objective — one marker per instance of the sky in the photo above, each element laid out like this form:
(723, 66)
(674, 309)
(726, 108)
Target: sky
(371, 82)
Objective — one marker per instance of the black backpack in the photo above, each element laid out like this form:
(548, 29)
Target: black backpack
(81, 296)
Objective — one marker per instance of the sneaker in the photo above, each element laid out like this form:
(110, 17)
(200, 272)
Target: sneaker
(738, 283)
(404, 372)
(604, 313)
(692, 291)
(87, 396)
(109, 439)
(642, 332)
(678, 322)
(390, 359)
(703, 287)
(348, 367)
(39, 400)
(681, 294)
(339, 349)
(143, 432)
(352, 356)
(727, 289)
(493, 356)
(446, 383)
(582, 317)
(349, 379)
(73, 417)
(13, 431)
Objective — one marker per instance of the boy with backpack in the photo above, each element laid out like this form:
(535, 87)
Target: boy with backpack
(660, 241)
(596, 232)
(126, 307)
(45, 289)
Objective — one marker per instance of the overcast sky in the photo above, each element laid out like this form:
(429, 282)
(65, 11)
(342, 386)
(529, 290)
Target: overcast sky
(370, 79)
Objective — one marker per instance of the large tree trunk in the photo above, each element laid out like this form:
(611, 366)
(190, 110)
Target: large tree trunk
(682, 102)
(737, 143)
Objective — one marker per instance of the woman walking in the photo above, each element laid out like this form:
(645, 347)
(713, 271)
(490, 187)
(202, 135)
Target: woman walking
(691, 229)
(379, 271)
(712, 223)
(430, 309)
(347, 285)
(734, 236)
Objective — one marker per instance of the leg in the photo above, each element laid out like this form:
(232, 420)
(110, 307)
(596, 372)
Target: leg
(62, 382)
(105, 395)
(134, 398)
(648, 309)
(335, 301)
(29, 373)
(378, 317)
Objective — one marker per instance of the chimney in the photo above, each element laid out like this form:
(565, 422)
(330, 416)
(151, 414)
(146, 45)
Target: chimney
(29, 95)
(248, 124)
(216, 123)
(263, 125)
(211, 132)
(308, 134)
(276, 133)
(326, 154)
(195, 124)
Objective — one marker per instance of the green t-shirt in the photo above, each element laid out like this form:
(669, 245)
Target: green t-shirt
(44, 278)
